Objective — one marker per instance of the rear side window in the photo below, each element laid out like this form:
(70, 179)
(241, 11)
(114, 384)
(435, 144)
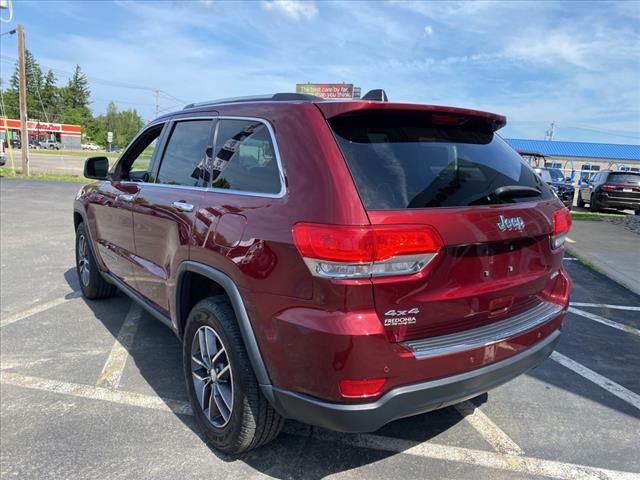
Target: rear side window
(407, 160)
(245, 158)
(185, 156)
(624, 178)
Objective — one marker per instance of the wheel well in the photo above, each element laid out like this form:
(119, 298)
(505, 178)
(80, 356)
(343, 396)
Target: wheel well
(77, 220)
(193, 288)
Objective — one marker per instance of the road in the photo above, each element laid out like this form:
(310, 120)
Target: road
(84, 397)
(59, 163)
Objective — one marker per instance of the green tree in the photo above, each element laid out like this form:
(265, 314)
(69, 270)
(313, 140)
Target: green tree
(50, 95)
(34, 80)
(75, 99)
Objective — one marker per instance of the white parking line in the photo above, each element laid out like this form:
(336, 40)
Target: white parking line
(604, 305)
(493, 434)
(38, 309)
(114, 366)
(96, 393)
(605, 321)
(516, 464)
(571, 259)
(610, 386)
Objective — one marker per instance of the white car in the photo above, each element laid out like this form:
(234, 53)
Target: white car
(90, 146)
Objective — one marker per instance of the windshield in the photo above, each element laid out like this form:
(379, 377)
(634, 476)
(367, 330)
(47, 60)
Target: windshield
(556, 175)
(403, 160)
(624, 178)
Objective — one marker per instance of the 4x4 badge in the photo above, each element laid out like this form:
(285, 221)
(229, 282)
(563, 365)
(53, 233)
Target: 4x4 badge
(510, 223)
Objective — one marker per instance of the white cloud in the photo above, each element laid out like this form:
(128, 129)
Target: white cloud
(294, 10)
(428, 30)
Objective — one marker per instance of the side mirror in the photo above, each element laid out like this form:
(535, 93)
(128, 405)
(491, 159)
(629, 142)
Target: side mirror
(96, 168)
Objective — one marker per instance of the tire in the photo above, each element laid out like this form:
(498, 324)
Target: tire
(593, 205)
(92, 284)
(251, 421)
(580, 201)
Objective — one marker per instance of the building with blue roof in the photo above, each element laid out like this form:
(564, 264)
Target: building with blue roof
(578, 159)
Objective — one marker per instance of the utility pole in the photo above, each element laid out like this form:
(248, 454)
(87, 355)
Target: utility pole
(24, 131)
(157, 102)
(549, 134)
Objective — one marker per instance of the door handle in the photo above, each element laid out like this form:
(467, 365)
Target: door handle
(183, 206)
(126, 197)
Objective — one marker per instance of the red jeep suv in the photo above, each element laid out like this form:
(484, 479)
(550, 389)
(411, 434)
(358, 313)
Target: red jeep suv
(341, 263)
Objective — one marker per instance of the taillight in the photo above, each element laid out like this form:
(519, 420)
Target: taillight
(361, 388)
(609, 188)
(561, 226)
(336, 251)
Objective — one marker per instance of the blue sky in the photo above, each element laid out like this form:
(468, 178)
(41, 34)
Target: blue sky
(577, 63)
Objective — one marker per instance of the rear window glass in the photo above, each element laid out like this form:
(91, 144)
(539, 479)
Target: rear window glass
(404, 160)
(625, 178)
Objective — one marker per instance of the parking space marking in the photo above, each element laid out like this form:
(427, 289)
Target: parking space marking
(604, 305)
(570, 240)
(612, 387)
(38, 309)
(96, 393)
(571, 259)
(605, 321)
(114, 366)
(481, 458)
(493, 434)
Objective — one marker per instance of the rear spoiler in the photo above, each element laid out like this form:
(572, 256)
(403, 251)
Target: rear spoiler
(335, 109)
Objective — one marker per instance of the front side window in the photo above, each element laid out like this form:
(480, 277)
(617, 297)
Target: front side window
(245, 158)
(185, 156)
(135, 165)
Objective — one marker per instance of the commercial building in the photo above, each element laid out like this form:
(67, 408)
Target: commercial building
(579, 159)
(67, 135)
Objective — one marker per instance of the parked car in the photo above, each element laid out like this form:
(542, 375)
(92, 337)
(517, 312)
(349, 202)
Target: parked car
(3, 155)
(90, 146)
(611, 189)
(34, 144)
(50, 144)
(341, 263)
(563, 188)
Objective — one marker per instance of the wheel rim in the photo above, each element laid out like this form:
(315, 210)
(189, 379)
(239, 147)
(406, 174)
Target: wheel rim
(83, 261)
(212, 376)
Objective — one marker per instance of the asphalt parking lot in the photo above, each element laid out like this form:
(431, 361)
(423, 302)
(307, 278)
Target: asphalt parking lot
(94, 389)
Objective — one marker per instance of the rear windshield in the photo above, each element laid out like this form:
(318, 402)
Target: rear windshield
(624, 178)
(407, 160)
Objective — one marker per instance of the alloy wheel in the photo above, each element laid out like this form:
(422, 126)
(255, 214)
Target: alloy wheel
(212, 376)
(83, 261)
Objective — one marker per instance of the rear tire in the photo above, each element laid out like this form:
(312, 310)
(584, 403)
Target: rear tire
(593, 205)
(251, 421)
(580, 201)
(92, 284)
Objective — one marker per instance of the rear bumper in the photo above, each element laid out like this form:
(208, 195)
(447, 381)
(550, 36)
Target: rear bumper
(607, 201)
(408, 400)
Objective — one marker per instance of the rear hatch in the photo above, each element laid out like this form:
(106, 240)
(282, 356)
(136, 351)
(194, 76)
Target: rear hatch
(623, 186)
(448, 169)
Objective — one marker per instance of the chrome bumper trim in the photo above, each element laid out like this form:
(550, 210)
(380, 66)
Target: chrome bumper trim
(485, 335)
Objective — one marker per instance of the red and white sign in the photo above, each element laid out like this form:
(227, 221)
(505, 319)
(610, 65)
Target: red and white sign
(36, 126)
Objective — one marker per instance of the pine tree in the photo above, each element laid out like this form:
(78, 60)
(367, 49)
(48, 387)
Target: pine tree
(50, 97)
(75, 96)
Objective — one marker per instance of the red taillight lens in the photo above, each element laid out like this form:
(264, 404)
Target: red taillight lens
(561, 226)
(361, 388)
(363, 244)
(609, 188)
(340, 244)
(336, 251)
(561, 221)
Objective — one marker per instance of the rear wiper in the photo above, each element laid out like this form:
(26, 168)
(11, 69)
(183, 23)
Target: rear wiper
(507, 191)
(516, 191)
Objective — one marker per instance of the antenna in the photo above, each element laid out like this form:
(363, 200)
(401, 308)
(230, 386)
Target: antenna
(549, 134)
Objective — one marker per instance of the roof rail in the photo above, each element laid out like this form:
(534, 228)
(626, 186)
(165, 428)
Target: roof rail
(276, 97)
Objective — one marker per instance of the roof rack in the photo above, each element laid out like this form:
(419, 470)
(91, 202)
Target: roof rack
(276, 97)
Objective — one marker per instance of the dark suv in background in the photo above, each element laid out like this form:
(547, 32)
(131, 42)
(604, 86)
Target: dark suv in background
(560, 185)
(611, 189)
(341, 263)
